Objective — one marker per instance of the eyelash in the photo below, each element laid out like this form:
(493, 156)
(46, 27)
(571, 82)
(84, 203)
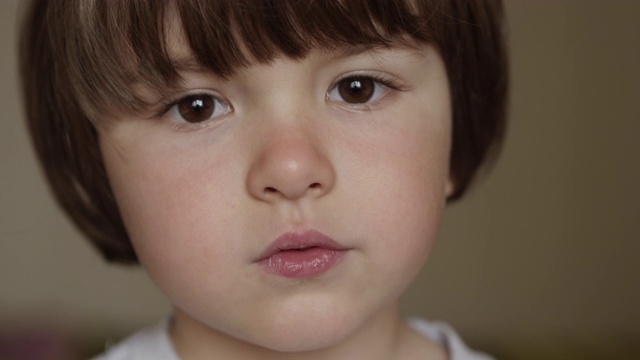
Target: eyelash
(384, 80)
(171, 105)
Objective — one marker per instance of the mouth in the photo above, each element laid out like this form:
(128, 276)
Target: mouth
(302, 254)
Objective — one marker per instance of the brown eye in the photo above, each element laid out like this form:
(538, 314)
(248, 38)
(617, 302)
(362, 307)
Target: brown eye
(356, 90)
(196, 108)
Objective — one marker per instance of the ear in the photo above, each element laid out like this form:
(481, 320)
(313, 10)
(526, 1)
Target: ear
(449, 187)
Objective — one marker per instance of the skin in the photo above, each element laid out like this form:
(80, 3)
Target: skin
(202, 201)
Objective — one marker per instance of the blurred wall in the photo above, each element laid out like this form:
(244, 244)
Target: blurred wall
(542, 257)
(539, 261)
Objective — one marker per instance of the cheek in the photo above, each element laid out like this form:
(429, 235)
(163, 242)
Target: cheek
(171, 204)
(411, 208)
(402, 175)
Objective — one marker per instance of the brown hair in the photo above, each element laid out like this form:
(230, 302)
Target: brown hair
(78, 57)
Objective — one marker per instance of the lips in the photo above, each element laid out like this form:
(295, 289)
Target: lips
(302, 254)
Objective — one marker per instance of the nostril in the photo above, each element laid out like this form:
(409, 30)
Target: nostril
(273, 190)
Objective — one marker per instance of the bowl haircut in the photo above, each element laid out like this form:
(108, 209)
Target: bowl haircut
(80, 60)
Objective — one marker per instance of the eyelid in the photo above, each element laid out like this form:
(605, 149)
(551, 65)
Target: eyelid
(168, 105)
(383, 79)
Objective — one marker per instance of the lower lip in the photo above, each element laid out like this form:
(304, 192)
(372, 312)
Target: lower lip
(300, 264)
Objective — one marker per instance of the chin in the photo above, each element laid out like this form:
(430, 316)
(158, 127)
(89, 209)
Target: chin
(305, 338)
(310, 329)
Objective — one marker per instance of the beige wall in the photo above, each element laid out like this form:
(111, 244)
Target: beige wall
(540, 260)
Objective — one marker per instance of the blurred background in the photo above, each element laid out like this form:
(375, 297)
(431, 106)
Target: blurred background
(540, 261)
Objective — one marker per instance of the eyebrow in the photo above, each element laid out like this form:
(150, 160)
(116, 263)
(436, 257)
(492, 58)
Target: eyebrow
(346, 51)
(186, 64)
(189, 64)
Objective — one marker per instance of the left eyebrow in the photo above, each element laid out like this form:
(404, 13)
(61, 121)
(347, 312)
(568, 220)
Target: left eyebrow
(187, 64)
(354, 50)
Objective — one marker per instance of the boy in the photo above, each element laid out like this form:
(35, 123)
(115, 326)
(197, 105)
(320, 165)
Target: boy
(278, 167)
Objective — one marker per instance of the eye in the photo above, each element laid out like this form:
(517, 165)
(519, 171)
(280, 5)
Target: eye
(359, 89)
(197, 108)
(356, 90)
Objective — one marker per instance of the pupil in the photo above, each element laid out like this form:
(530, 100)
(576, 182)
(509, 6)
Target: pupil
(196, 108)
(356, 90)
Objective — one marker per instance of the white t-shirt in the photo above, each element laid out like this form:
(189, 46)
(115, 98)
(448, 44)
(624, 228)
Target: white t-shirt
(154, 343)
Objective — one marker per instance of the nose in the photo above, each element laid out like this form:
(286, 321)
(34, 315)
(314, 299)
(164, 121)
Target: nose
(290, 167)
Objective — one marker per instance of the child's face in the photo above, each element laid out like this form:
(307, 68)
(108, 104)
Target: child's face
(287, 152)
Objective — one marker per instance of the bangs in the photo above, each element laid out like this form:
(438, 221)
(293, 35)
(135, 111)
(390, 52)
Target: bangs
(109, 46)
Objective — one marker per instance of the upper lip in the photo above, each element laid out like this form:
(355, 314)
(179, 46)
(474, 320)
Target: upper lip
(297, 240)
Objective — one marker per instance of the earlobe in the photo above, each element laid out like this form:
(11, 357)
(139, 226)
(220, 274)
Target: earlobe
(449, 188)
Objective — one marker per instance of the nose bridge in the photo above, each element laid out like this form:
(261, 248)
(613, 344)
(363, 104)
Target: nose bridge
(290, 162)
(289, 155)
